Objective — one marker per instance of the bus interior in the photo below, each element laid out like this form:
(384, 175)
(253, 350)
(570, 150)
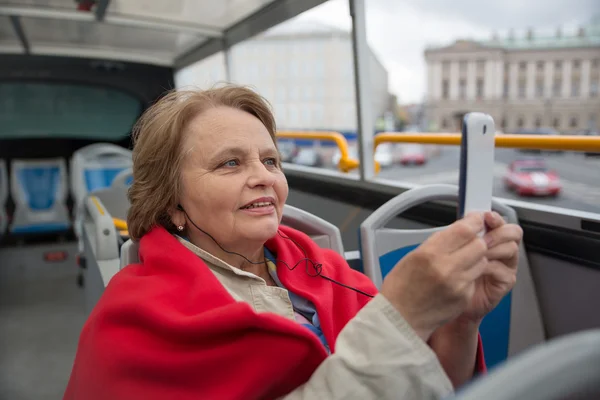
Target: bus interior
(74, 78)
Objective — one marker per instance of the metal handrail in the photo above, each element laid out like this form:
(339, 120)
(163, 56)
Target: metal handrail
(550, 142)
(346, 163)
(120, 224)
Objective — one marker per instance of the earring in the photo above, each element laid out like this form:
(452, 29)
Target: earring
(180, 228)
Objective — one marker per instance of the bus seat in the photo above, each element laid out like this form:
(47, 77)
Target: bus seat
(325, 234)
(129, 253)
(562, 368)
(100, 248)
(124, 179)
(93, 168)
(514, 325)
(114, 199)
(39, 189)
(3, 196)
(322, 232)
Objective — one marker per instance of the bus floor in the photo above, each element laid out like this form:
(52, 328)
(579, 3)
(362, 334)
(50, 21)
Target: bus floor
(41, 315)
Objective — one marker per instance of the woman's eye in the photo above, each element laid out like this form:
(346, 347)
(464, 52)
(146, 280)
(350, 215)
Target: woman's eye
(231, 163)
(271, 161)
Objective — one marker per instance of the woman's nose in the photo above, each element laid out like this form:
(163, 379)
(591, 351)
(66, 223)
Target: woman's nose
(260, 175)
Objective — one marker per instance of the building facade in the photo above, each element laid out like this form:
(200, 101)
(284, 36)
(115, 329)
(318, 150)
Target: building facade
(527, 83)
(305, 72)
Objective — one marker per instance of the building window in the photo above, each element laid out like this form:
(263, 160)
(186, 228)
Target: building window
(479, 88)
(481, 65)
(503, 123)
(281, 70)
(280, 114)
(556, 123)
(595, 63)
(294, 90)
(573, 122)
(444, 123)
(576, 64)
(308, 69)
(306, 116)
(592, 122)
(293, 119)
(319, 92)
(462, 89)
(281, 94)
(520, 122)
(445, 89)
(319, 68)
(540, 66)
(523, 66)
(506, 90)
(318, 116)
(307, 92)
(558, 65)
(556, 88)
(594, 89)
(575, 85)
(462, 66)
(539, 88)
(538, 122)
(294, 70)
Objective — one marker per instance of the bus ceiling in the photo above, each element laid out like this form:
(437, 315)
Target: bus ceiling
(158, 33)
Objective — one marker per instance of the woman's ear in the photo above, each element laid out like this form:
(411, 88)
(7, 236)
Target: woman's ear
(177, 215)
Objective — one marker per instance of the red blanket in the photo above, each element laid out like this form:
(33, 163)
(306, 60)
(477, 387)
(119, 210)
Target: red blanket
(166, 328)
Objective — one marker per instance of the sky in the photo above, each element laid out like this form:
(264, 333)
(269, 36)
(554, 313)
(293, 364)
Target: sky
(399, 30)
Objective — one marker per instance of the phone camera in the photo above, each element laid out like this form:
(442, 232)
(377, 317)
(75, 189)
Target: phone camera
(484, 129)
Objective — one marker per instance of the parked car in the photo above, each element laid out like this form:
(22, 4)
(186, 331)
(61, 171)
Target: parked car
(532, 177)
(384, 155)
(308, 156)
(287, 149)
(412, 154)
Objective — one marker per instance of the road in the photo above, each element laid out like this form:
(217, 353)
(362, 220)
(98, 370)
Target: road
(580, 176)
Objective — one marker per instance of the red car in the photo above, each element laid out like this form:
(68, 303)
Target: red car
(532, 178)
(412, 153)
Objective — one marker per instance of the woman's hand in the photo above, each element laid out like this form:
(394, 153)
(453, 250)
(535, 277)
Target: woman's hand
(435, 283)
(500, 273)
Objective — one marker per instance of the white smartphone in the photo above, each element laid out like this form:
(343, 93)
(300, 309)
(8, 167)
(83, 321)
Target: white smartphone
(476, 180)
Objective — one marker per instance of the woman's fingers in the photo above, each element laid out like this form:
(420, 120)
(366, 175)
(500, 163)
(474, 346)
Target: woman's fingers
(507, 252)
(500, 273)
(503, 234)
(457, 235)
(468, 256)
(493, 220)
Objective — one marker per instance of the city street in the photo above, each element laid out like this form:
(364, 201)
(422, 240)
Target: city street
(579, 175)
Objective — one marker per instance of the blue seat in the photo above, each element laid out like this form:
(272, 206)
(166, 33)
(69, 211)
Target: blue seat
(93, 168)
(3, 196)
(39, 189)
(101, 177)
(514, 325)
(123, 179)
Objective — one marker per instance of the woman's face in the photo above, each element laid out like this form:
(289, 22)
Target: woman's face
(233, 185)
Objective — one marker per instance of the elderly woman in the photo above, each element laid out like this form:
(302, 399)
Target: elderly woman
(226, 303)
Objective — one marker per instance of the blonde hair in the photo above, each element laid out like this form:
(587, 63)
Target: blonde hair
(158, 153)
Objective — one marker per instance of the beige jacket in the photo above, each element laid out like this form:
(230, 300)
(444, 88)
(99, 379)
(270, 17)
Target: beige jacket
(378, 355)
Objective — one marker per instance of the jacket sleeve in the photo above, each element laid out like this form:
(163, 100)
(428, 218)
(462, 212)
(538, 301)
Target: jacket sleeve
(378, 356)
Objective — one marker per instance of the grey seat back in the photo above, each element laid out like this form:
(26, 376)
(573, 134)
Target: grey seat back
(515, 324)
